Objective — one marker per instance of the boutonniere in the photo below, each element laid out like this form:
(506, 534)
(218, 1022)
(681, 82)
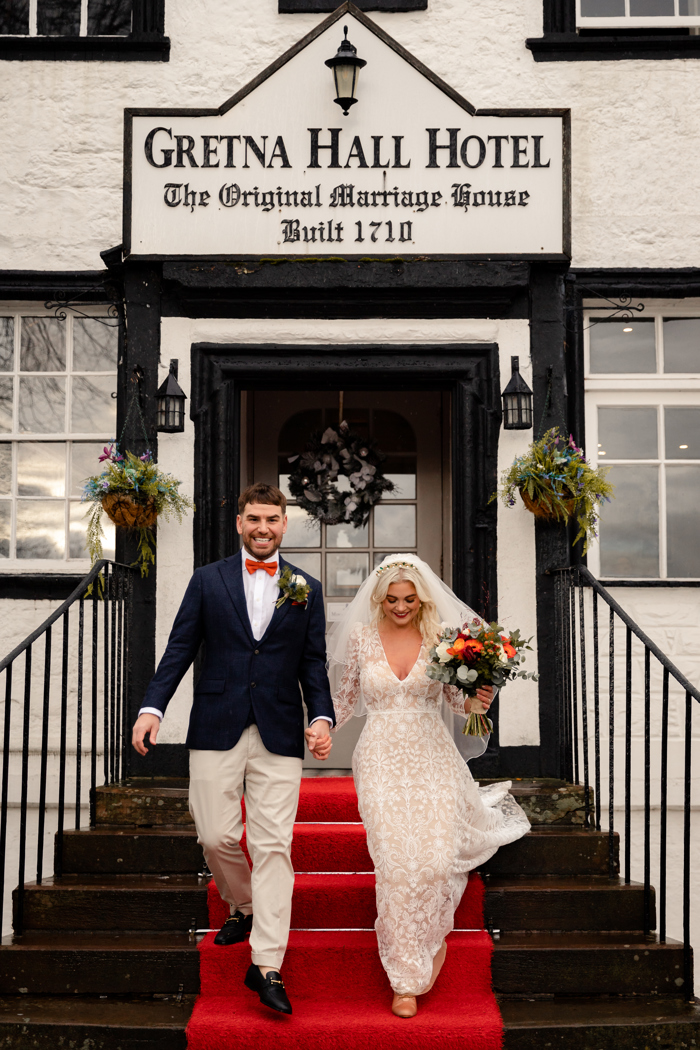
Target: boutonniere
(292, 585)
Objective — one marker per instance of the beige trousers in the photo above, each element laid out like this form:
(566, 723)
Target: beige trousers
(272, 794)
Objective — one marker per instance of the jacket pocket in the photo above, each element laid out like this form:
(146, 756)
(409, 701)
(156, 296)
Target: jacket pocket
(211, 685)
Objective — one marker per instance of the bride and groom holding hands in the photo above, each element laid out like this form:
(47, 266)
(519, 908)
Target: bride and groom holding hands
(427, 823)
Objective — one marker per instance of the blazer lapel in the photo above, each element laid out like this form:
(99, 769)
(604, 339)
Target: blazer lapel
(231, 571)
(279, 613)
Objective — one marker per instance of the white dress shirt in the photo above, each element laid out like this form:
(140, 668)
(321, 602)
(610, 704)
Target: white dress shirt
(261, 594)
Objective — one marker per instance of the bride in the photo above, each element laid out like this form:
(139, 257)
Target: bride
(427, 822)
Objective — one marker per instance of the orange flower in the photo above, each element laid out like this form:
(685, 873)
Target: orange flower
(472, 648)
(508, 649)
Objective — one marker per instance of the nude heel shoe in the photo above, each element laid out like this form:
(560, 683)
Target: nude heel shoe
(437, 966)
(404, 1006)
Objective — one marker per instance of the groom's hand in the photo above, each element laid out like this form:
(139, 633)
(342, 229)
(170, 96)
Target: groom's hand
(318, 739)
(145, 724)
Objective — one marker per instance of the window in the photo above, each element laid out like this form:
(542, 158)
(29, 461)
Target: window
(66, 17)
(57, 410)
(83, 30)
(643, 420)
(636, 14)
(341, 556)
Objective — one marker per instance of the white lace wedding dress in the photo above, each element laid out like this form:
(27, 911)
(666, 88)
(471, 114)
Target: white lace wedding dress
(428, 824)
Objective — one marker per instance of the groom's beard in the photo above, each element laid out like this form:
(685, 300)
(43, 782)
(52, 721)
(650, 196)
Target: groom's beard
(257, 555)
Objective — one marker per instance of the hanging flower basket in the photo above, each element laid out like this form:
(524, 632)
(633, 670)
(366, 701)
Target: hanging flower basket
(127, 513)
(556, 482)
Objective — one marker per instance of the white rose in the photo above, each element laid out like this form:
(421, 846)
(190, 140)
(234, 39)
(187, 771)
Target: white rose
(298, 581)
(441, 651)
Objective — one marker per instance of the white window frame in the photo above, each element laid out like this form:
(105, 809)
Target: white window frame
(627, 21)
(15, 436)
(648, 388)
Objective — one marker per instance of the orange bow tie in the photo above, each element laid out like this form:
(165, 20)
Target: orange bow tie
(270, 567)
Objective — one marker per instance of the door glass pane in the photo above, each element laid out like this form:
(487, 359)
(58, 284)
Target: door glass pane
(84, 462)
(689, 7)
(302, 530)
(7, 343)
(682, 507)
(14, 17)
(346, 536)
(109, 17)
(43, 347)
(394, 527)
(306, 561)
(682, 433)
(345, 573)
(283, 486)
(6, 383)
(5, 468)
(41, 468)
(78, 530)
(602, 8)
(404, 486)
(623, 346)
(42, 404)
(94, 408)
(94, 346)
(682, 344)
(41, 529)
(627, 432)
(58, 17)
(651, 8)
(5, 524)
(629, 525)
(393, 432)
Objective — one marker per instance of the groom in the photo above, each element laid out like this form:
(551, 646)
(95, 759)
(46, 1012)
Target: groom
(246, 728)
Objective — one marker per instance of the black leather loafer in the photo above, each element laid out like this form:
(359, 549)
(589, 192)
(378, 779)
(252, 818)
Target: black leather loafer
(235, 929)
(270, 989)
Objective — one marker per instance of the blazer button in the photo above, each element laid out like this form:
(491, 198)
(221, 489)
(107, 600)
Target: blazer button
(252, 685)
(257, 651)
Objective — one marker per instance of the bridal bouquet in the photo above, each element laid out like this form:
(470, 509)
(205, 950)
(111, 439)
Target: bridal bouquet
(478, 655)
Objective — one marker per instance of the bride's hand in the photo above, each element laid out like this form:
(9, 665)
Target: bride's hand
(479, 704)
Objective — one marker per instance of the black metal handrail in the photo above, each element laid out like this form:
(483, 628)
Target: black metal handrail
(40, 747)
(579, 645)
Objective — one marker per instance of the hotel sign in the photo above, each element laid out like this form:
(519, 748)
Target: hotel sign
(413, 169)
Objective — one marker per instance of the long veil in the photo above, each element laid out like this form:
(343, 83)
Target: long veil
(451, 611)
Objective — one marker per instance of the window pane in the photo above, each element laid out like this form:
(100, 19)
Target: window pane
(42, 402)
(689, 7)
(346, 536)
(602, 8)
(629, 525)
(84, 462)
(615, 350)
(682, 433)
(345, 573)
(5, 525)
(109, 17)
(94, 409)
(305, 561)
(7, 336)
(394, 527)
(58, 17)
(78, 529)
(5, 468)
(392, 432)
(94, 346)
(627, 432)
(302, 530)
(40, 529)
(43, 346)
(14, 17)
(682, 506)
(404, 486)
(41, 468)
(283, 485)
(6, 383)
(682, 344)
(650, 8)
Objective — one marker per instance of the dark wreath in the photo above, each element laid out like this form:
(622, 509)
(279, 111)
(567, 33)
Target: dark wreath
(332, 455)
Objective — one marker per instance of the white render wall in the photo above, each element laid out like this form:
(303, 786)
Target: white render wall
(633, 124)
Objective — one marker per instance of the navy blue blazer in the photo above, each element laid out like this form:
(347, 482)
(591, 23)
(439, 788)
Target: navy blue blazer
(241, 674)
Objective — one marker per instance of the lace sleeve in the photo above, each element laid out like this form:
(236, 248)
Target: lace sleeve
(348, 693)
(455, 698)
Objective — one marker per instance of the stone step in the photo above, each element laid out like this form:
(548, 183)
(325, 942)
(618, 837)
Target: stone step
(564, 904)
(174, 850)
(102, 1024)
(586, 964)
(62, 962)
(600, 1024)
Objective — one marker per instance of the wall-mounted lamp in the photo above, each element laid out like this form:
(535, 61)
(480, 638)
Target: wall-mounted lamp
(517, 401)
(346, 68)
(171, 404)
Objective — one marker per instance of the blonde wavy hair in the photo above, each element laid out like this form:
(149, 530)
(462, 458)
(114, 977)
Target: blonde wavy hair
(426, 619)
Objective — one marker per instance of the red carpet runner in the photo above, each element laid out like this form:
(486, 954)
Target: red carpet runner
(335, 981)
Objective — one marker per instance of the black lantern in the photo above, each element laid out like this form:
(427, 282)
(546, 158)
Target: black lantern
(346, 68)
(517, 401)
(171, 404)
